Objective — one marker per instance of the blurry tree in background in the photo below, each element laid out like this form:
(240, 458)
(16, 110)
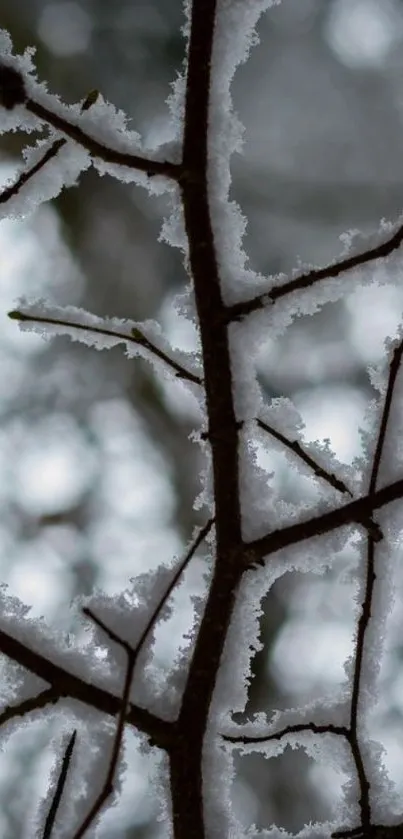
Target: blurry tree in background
(99, 472)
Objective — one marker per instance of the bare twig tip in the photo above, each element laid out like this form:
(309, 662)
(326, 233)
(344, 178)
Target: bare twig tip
(90, 99)
(16, 315)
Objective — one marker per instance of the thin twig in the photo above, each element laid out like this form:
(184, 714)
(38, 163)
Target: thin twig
(9, 191)
(246, 307)
(203, 532)
(244, 739)
(366, 606)
(26, 176)
(108, 631)
(132, 656)
(59, 787)
(354, 511)
(318, 470)
(136, 337)
(107, 788)
(27, 705)
(393, 371)
(364, 800)
(13, 92)
(295, 446)
(97, 149)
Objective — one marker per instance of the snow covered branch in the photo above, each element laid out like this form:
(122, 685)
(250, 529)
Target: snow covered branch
(50, 821)
(101, 333)
(355, 511)
(318, 470)
(108, 785)
(66, 684)
(13, 93)
(98, 149)
(316, 275)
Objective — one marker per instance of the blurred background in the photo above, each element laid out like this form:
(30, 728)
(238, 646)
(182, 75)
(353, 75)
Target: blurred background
(98, 475)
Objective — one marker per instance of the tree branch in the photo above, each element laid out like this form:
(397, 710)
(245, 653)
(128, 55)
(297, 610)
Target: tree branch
(350, 513)
(315, 275)
(66, 684)
(245, 739)
(24, 178)
(108, 785)
(136, 336)
(318, 470)
(97, 149)
(366, 606)
(27, 705)
(59, 786)
(132, 656)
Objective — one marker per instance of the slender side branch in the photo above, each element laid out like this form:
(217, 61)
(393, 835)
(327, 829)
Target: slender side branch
(296, 447)
(364, 786)
(317, 526)
(27, 705)
(393, 371)
(318, 470)
(310, 278)
(203, 532)
(97, 149)
(107, 787)
(59, 787)
(132, 656)
(9, 191)
(136, 336)
(13, 92)
(366, 606)
(341, 730)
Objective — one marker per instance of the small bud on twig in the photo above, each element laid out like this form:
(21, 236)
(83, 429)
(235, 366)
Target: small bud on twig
(16, 315)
